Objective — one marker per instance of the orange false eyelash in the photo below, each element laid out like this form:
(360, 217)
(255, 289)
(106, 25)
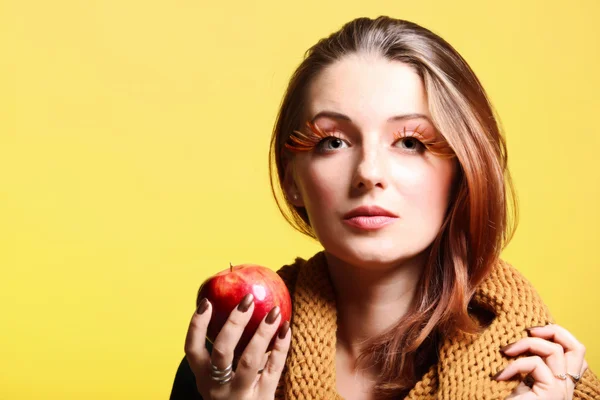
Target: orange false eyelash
(299, 141)
(440, 148)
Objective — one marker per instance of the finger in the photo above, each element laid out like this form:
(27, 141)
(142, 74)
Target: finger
(529, 395)
(551, 352)
(229, 336)
(584, 367)
(272, 372)
(521, 389)
(195, 341)
(573, 349)
(250, 361)
(534, 366)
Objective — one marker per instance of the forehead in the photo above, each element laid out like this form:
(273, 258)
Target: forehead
(368, 89)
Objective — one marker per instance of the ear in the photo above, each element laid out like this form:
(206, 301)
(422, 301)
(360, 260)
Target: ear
(290, 187)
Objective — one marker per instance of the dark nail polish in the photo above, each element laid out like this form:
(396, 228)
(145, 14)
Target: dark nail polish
(284, 329)
(529, 381)
(528, 330)
(533, 327)
(508, 346)
(497, 374)
(202, 306)
(246, 302)
(273, 314)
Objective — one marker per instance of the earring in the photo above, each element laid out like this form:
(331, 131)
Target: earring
(295, 196)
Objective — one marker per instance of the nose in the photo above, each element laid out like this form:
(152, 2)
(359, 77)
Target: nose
(370, 169)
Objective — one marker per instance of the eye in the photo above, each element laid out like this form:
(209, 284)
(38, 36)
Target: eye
(336, 142)
(412, 144)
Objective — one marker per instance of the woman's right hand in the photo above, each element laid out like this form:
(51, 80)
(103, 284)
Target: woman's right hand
(247, 383)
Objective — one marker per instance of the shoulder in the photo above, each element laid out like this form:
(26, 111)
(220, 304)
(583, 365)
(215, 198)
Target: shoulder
(508, 294)
(289, 273)
(517, 305)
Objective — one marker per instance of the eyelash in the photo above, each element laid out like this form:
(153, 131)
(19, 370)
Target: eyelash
(299, 141)
(397, 135)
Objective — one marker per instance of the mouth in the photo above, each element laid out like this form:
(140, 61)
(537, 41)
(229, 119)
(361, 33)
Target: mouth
(369, 217)
(369, 222)
(369, 211)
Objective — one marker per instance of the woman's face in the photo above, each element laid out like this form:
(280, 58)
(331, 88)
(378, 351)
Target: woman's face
(362, 99)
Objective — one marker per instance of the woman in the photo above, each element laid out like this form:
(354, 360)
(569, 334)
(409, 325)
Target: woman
(390, 155)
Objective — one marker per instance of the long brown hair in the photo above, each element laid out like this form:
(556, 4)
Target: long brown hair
(477, 225)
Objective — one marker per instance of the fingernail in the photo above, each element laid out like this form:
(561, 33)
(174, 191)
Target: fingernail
(497, 374)
(273, 314)
(507, 347)
(246, 302)
(202, 306)
(534, 327)
(284, 329)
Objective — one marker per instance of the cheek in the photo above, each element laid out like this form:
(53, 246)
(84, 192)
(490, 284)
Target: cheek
(321, 188)
(425, 191)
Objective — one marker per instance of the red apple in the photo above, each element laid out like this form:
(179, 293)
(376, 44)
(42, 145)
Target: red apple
(226, 289)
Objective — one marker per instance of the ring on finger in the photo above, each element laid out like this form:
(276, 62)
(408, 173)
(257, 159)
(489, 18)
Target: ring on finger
(221, 380)
(224, 380)
(222, 376)
(574, 377)
(562, 377)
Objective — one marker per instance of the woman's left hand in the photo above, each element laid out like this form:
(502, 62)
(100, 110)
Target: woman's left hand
(556, 363)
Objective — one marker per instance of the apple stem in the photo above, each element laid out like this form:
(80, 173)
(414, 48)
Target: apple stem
(230, 267)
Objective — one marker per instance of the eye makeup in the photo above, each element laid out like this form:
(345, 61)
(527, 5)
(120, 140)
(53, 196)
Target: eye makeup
(440, 148)
(300, 141)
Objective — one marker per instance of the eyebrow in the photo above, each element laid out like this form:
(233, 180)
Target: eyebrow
(337, 115)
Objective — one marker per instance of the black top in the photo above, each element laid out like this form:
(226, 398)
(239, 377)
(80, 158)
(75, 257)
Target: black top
(184, 386)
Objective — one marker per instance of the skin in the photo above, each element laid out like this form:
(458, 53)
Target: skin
(374, 273)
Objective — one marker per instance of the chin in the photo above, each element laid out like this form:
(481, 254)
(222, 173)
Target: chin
(379, 250)
(371, 257)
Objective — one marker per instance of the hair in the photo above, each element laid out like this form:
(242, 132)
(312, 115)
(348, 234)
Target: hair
(477, 225)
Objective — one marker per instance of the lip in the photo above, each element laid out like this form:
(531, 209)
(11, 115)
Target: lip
(369, 217)
(369, 223)
(369, 211)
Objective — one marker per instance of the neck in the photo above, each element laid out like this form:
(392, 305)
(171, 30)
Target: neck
(370, 300)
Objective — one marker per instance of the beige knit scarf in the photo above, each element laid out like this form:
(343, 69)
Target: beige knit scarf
(466, 362)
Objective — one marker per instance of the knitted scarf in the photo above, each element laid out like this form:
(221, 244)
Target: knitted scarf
(466, 362)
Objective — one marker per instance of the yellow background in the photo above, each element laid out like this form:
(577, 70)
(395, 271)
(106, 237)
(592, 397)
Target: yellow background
(133, 164)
